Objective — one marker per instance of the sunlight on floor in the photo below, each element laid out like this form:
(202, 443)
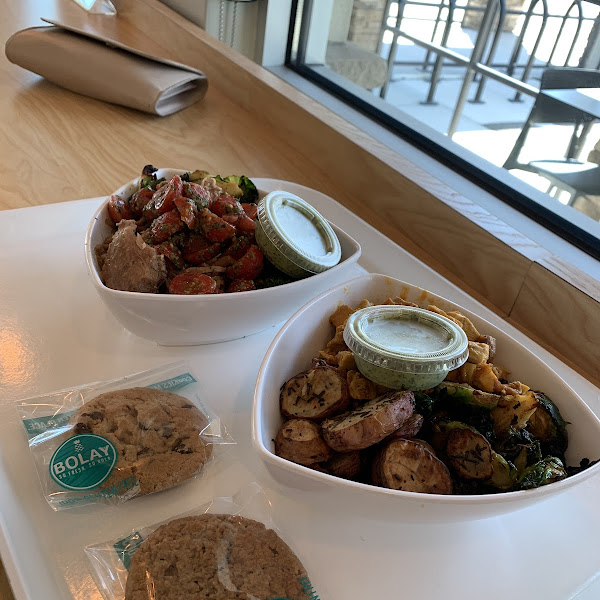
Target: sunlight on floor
(547, 142)
(494, 146)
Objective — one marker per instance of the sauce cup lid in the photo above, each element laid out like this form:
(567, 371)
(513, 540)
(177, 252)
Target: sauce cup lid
(406, 339)
(299, 231)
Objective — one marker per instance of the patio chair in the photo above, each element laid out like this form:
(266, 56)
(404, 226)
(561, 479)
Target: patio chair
(569, 174)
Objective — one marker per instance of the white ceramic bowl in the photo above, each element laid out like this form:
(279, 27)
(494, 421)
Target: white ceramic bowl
(174, 320)
(308, 331)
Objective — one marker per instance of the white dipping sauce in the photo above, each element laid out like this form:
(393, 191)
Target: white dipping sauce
(407, 336)
(302, 229)
(404, 347)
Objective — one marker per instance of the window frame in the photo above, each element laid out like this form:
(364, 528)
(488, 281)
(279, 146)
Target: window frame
(520, 196)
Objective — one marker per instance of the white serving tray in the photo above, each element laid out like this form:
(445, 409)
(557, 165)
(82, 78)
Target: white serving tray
(56, 333)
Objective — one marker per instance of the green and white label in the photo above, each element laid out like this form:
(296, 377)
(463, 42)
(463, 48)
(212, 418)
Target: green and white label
(127, 547)
(39, 425)
(83, 462)
(174, 383)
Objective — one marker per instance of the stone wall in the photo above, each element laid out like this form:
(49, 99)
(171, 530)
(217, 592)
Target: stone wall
(473, 18)
(365, 24)
(367, 16)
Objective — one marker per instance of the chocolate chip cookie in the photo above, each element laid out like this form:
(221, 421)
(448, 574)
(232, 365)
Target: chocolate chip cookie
(157, 435)
(221, 557)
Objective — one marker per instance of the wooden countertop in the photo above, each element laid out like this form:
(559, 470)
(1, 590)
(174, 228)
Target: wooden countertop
(57, 146)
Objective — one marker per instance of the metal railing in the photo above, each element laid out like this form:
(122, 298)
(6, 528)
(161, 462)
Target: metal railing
(481, 62)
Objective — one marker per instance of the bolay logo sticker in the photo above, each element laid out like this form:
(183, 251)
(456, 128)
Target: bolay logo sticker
(83, 462)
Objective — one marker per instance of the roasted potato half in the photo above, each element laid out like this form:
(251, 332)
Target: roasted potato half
(301, 442)
(409, 428)
(370, 423)
(315, 394)
(469, 453)
(410, 466)
(344, 464)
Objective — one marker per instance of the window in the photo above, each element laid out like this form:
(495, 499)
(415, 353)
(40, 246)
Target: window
(505, 91)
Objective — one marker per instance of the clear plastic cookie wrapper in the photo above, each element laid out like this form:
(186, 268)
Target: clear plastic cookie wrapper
(403, 347)
(111, 441)
(227, 548)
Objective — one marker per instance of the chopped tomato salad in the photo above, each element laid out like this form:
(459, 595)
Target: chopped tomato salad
(197, 236)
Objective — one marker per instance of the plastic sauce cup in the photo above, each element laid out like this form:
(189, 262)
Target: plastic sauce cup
(403, 347)
(294, 236)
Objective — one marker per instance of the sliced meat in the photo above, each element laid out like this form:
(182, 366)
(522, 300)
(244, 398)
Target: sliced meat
(478, 352)
(491, 342)
(130, 264)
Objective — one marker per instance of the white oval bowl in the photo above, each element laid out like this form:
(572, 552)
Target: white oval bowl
(178, 320)
(308, 331)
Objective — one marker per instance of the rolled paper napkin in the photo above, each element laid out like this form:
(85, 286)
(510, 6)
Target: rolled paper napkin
(93, 68)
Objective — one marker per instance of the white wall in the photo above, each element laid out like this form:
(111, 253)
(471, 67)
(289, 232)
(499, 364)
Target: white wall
(340, 20)
(193, 10)
(262, 26)
(207, 14)
(273, 24)
(318, 36)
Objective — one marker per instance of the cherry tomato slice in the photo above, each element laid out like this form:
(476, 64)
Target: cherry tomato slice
(213, 227)
(250, 209)
(171, 253)
(241, 285)
(196, 192)
(150, 212)
(164, 196)
(232, 219)
(226, 205)
(166, 225)
(238, 247)
(247, 267)
(192, 283)
(118, 209)
(138, 201)
(188, 210)
(198, 250)
(245, 224)
(195, 242)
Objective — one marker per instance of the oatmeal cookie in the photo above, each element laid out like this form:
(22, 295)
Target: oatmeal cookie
(156, 434)
(221, 557)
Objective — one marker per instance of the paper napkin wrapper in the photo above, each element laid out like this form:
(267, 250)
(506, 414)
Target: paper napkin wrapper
(93, 68)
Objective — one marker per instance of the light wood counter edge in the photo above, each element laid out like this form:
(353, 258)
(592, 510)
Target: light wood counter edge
(561, 318)
(484, 256)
